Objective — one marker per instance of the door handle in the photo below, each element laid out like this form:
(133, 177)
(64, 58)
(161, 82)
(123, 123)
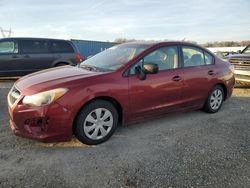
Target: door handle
(176, 78)
(26, 56)
(211, 72)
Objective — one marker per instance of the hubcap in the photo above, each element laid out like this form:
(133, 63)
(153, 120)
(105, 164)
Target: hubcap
(98, 123)
(216, 99)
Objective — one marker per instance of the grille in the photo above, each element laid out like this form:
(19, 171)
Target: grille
(240, 64)
(13, 95)
(245, 77)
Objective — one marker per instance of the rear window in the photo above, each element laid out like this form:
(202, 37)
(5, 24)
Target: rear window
(61, 47)
(193, 56)
(35, 46)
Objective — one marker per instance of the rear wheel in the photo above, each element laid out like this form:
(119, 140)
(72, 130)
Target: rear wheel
(60, 64)
(96, 122)
(214, 100)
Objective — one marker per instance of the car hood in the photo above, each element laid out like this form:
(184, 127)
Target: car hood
(239, 56)
(52, 78)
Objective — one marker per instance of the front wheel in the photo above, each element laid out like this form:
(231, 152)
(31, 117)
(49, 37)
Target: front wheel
(96, 122)
(214, 100)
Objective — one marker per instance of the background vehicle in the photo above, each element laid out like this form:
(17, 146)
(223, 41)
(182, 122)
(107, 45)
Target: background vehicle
(224, 54)
(126, 83)
(21, 56)
(241, 64)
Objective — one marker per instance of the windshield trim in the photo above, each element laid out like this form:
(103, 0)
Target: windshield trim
(245, 49)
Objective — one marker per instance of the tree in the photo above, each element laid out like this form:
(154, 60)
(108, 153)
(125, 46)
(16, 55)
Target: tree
(226, 44)
(123, 40)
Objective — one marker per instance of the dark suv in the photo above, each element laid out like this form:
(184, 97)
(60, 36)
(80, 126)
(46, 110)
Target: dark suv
(21, 56)
(241, 64)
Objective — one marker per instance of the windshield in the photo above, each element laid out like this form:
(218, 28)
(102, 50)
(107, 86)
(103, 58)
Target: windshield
(114, 57)
(246, 50)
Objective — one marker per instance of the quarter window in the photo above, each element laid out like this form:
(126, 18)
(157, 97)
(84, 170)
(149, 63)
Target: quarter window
(8, 47)
(133, 69)
(61, 47)
(35, 46)
(208, 58)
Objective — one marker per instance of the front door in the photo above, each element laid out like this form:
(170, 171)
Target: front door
(158, 93)
(9, 58)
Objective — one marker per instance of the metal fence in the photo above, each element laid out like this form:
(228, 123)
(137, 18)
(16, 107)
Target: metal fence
(89, 48)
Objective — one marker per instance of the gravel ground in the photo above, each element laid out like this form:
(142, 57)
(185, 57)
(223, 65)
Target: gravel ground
(191, 149)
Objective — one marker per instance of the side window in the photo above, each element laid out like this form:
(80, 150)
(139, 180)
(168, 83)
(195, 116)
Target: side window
(8, 47)
(192, 56)
(61, 47)
(209, 59)
(165, 57)
(35, 46)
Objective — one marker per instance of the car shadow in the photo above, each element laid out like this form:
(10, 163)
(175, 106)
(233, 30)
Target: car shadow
(8, 79)
(241, 86)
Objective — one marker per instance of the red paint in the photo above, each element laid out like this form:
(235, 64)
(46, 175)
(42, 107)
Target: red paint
(157, 95)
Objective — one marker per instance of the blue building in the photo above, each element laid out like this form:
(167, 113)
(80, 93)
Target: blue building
(89, 48)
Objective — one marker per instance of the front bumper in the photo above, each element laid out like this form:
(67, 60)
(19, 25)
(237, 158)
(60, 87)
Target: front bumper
(48, 123)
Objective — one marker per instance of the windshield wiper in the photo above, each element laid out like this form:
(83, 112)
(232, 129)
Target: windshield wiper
(93, 68)
(88, 67)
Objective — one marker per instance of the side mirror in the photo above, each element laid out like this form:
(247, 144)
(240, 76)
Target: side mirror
(149, 68)
(239, 51)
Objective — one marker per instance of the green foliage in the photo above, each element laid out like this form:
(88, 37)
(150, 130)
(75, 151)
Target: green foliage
(226, 44)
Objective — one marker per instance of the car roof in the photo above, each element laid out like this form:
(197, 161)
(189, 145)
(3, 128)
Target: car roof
(31, 38)
(153, 43)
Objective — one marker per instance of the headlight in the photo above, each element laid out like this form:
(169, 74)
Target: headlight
(44, 98)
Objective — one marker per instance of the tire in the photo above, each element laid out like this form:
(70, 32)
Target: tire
(214, 100)
(91, 127)
(60, 64)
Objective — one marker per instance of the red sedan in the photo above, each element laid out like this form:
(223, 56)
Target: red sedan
(126, 83)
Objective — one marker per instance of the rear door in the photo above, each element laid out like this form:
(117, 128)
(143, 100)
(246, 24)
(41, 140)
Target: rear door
(35, 55)
(198, 74)
(158, 93)
(63, 52)
(9, 58)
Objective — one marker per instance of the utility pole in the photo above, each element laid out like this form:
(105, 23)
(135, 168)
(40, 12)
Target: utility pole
(5, 33)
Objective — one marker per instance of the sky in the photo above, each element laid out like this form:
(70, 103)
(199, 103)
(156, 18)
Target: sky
(106, 20)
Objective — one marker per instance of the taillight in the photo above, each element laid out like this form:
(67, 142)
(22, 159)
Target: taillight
(79, 57)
